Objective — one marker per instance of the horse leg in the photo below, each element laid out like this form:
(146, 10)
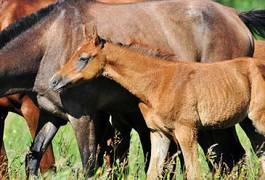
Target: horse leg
(31, 114)
(257, 141)
(187, 139)
(93, 131)
(46, 132)
(121, 148)
(84, 129)
(104, 133)
(3, 156)
(159, 149)
(159, 143)
(219, 141)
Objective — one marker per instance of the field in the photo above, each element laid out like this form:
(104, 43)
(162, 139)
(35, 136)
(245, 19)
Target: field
(17, 140)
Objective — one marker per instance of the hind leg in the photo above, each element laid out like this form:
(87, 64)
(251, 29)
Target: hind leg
(186, 136)
(3, 156)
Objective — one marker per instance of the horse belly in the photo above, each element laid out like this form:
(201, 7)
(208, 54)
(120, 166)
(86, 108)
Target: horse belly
(225, 119)
(224, 104)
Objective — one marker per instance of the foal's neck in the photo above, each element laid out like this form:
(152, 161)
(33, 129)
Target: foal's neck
(138, 73)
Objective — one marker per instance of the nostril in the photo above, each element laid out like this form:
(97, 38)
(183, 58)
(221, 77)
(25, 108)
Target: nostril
(55, 80)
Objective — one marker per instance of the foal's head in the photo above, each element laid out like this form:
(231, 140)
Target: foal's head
(86, 63)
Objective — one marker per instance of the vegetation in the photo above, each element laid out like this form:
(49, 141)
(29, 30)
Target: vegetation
(244, 4)
(17, 140)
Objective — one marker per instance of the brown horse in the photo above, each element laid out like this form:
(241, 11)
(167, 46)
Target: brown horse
(176, 98)
(168, 29)
(10, 11)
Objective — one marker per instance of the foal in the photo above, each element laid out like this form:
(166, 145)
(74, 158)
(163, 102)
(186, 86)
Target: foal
(176, 98)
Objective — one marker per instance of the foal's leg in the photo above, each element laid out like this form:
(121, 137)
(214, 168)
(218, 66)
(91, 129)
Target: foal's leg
(159, 149)
(187, 139)
(3, 156)
(159, 143)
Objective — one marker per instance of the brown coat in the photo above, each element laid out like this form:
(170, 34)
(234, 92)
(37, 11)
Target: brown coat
(176, 98)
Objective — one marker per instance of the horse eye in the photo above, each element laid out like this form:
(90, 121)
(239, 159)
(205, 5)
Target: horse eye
(84, 58)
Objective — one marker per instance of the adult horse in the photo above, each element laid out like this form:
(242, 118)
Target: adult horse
(168, 29)
(10, 11)
(21, 104)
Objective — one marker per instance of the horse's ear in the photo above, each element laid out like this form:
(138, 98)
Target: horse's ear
(90, 34)
(94, 36)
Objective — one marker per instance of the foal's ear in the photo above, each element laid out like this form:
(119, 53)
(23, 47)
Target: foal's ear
(91, 35)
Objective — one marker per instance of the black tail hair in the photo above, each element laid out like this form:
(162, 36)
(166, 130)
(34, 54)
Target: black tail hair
(255, 21)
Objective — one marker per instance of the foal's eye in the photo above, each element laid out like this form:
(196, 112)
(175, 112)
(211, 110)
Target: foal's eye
(84, 58)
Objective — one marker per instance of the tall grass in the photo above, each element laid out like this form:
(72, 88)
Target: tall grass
(17, 140)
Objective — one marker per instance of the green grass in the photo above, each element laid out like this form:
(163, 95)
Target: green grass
(17, 140)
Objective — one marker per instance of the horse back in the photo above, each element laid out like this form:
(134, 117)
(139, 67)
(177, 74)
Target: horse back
(175, 29)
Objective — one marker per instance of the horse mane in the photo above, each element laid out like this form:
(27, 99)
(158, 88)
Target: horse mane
(24, 23)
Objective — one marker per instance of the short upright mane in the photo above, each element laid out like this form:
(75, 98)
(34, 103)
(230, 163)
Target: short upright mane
(23, 24)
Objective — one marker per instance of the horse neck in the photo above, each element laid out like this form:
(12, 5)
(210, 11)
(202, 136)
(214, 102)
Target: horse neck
(134, 71)
(19, 66)
(20, 59)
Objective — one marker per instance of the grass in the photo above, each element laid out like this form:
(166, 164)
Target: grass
(17, 140)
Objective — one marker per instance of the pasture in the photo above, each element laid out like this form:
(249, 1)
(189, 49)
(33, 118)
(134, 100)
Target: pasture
(17, 140)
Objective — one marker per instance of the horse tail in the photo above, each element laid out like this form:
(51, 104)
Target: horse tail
(255, 21)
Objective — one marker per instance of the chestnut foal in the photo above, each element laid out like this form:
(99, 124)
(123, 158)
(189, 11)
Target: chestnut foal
(176, 98)
(259, 49)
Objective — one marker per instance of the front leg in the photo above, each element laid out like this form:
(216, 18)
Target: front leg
(31, 114)
(44, 135)
(159, 143)
(85, 136)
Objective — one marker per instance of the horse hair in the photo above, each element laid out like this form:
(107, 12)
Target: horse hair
(254, 20)
(24, 23)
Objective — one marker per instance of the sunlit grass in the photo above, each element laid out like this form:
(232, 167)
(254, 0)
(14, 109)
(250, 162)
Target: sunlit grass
(17, 140)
